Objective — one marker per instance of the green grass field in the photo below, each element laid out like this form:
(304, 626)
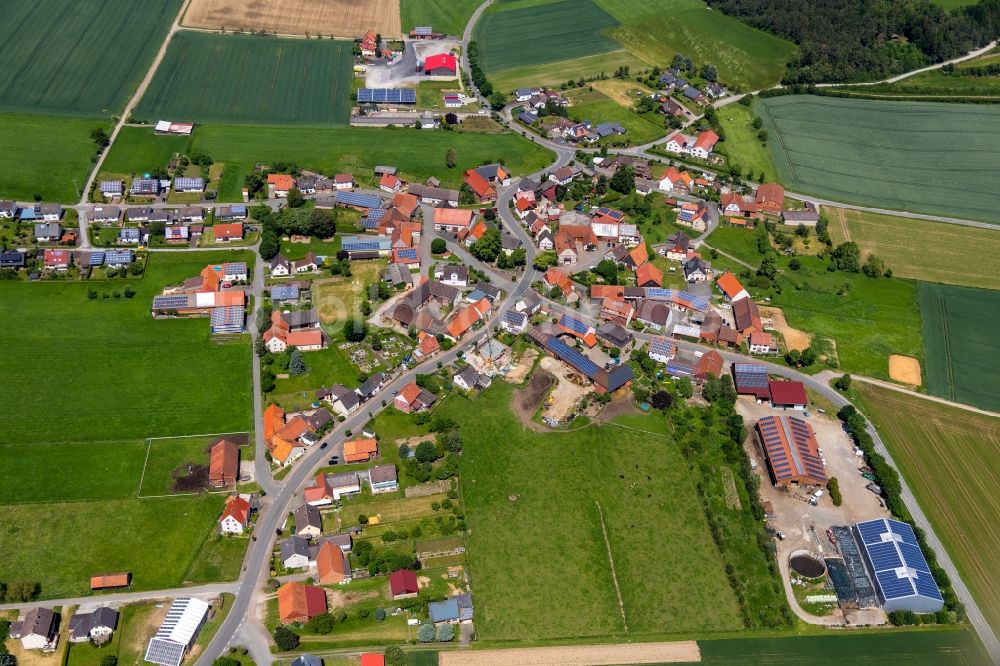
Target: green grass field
(598, 108)
(242, 78)
(548, 544)
(558, 72)
(914, 156)
(746, 58)
(44, 155)
(951, 459)
(61, 545)
(742, 146)
(949, 647)
(937, 83)
(88, 365)
(88, 381)
(868, 321)
(962, 255)
(445, 16)
(78, 57)
(511, 36)
(962, 360)
(417, 154)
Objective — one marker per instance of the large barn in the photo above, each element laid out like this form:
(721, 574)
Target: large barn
(792, 452)
(897, 566)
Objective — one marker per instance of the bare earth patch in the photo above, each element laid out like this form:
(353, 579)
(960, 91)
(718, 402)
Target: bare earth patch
(339, 18)
(341, 599)
(569, 389)
(904, 369)
(523, 366)
(578, 655)
(794, 338)
(527, 400)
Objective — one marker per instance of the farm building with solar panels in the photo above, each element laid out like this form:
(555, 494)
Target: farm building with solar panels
(387, 96)
(791, 451)
(605, 381)
(903, 580)
(751, 379)
(185, 618)
(366, 247)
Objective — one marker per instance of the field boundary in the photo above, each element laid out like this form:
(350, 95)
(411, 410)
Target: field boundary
(611, 561)
(145, 463)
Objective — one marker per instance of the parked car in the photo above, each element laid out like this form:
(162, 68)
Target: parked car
(323, 445)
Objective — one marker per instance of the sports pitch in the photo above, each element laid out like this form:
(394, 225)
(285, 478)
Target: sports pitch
(538, 552)
(82, 57)
(951, 459)
(959, 333)
(239, 78)
(911, 156)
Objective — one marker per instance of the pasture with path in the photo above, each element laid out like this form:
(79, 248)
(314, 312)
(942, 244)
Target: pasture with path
(938, 159)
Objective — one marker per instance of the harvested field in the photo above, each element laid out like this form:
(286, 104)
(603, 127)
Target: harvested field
(905, 369)
(578, 655)
(794, 338)
(337, 18)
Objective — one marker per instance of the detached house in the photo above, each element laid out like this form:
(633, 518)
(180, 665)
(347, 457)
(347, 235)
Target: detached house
(37, 630)
(412, 399)
(235, 516)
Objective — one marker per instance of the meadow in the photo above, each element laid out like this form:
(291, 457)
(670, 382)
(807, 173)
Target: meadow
(745, 58)
(242, 78)
(868, 319)
(538, 536)
(950, 458)
(742, 147)
(417, 154)
(597, 108)
(965, 256)
(87, 365)
(80, 58)
(88, 380)
(554, 74)
(44, 155)
(911, 156)
(962, 360)
(937, 83)
(511, 35)
(949, 647)
(445, 16)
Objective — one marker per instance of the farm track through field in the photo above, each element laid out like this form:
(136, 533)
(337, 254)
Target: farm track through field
(611, 564)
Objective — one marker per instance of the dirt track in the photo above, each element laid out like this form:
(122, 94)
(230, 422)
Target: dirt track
(339, 18)
(794, 338)
(577, 655)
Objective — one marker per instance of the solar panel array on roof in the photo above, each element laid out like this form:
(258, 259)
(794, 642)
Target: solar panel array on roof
(164, 652)
(361, 244)
(357, 199)
(284, 292)
(688, 300)
(662, 346)
(750, 375)
(527, 117)
(902, 576)
(574, 324)
(387, 96)
(423, 30)
(611, 212)
(407, 253)
(96, 258)
(117, 257)
(572, 356)
(170, 302)
(680, 369)
(373, 218)
(227, 319)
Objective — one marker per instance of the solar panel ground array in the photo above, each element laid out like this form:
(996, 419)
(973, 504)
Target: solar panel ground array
(247, 79)
(540, 33)
(913, 156)
(961, 350)
(83, 57)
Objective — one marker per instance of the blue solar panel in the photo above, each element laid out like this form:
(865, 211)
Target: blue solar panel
(680, 369)
(884, 556)
(913, 557)
(892, 586)
(374, 216)
(361, 245)
(573, 357)
(659, 293)
(926, 586)
(661, 346)
(575, 325)
(356, 199)
(871, 531)
(903, 530)
(407, 253)
(387, 96)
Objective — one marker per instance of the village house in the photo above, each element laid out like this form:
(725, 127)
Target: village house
(37, 629)
(694, 215)
(412, 399)
(224, 464)
(466, 318)
(279, 185)
(452, 275)
(236, 516)
(228, 232)
(382, 479)
(700, 146)
(57, 260)
(298, 602)
(294, 552)
(677, 247)
(343, 400)
(403, 585)
(98, 625)
(308, 521)
(469, 378)
(696, 270)
(453, 220)
(371, 386)
(617, 311)
(360, 450)
(762, 343)
(332, 565)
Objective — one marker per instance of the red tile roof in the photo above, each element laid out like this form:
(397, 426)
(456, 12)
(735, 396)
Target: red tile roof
(403, 581)
(453, 217)
(331, 565)
(298, 602)
(360, 450)
(479, 184)
(647, 274)
(106, 581)
(274, 420)
(787, 392)
(281, 181)
(729, 285)
(228, 231)
(238, 508)
(224, 463)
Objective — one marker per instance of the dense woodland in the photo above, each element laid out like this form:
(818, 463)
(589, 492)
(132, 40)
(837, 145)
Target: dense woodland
(857, 40)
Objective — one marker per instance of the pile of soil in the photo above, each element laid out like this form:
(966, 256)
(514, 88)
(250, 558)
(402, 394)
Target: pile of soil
(189, 478)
